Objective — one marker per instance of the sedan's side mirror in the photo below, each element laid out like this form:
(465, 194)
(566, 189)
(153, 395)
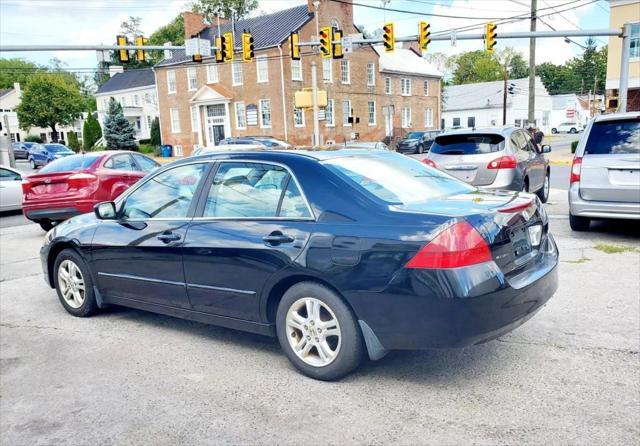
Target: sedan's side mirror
(546, 148)
(105, 210)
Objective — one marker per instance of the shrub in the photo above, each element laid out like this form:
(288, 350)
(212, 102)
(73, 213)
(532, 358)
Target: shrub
(33, 138)
(155, 133)
(91, 132)
(74, 144)
(146, 148)
(144, 142)
(574, 146)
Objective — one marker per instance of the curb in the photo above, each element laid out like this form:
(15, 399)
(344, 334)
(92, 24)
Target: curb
(560, 162)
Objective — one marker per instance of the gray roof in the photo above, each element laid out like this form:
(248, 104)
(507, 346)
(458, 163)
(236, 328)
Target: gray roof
(482, 94)
(5, 91)
(267, 30)
(129, 79)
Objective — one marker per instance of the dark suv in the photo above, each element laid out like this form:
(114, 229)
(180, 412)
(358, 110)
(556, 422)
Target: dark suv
(417, 142)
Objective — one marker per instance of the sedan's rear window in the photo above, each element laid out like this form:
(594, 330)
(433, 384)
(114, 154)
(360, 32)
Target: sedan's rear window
(465, 144)
(396, 179)
(70, 163)
(614, 137)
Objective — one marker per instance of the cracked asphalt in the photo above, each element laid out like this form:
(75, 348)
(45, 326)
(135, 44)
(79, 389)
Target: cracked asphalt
(571, 375)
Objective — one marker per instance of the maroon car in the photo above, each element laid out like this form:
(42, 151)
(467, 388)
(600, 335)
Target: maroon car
(73, 185)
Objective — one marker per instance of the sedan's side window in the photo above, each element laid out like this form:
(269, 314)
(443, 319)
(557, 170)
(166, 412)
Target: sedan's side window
(121, 162)
(146, 164)
(166, 195)
(8, 175)
(254, 190)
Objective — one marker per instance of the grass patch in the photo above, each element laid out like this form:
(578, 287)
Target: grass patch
(580, 261)
(615, 249)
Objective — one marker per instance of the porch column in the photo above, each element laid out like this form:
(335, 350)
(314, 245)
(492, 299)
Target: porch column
(200, 123)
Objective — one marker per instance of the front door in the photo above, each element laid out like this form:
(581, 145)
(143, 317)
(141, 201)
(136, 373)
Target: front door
(254, 221)
(139, 256)
(216, 120)
(388, 120)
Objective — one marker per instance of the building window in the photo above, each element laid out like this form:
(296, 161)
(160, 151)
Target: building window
(371, 75)
(634, 50)
(405, 87)
(236, 73)
(298, 117)
(136, 100)
(426, 88)
(371, 112)
(149, 122)
(123, 101)
(406, 117)
(177, 150)
(175, 120)
(345, 72)
(212, 74)
(296, 70)
(471, 122)
(241, 115)
(147, 98)
(265, 113)
(262, 68)
(329, 115)
(327, 71)
(456, 122)
(428, 118)
(194, 118)
(171, 82)
(105, 104)
(346, 113)
(192, 78)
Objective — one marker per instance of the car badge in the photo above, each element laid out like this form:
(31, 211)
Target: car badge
(47, 181)
(477, 199)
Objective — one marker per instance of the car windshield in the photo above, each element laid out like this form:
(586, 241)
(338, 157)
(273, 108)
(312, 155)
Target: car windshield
(466, 144)
(396, 179)
(70, 163)
(57, 148)
(414, 135)
(267, 142)
(614, 137)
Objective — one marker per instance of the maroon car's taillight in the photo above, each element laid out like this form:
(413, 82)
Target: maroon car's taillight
(504, 162)
(458, 245)
(576, 168)
(82, 180)
(428, 162)
(26, 186)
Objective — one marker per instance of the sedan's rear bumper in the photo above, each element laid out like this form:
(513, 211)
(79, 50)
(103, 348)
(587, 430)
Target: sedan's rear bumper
(456, 307)
(58, 211)
(600, 209)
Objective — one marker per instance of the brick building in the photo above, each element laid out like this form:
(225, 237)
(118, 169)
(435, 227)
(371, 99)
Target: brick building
(200, 104)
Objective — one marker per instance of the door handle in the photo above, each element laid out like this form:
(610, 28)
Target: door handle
(168, 237)
(277, 238)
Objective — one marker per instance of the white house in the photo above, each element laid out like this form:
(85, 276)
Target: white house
(480, 105)
(135, 90)
(574, 108)
(9, 100)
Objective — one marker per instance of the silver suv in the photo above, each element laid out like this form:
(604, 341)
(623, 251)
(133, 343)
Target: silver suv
(605, 175)
(493, 158)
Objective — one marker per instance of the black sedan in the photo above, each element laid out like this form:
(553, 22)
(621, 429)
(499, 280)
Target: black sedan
(340, 254)
(21, 149)
(417, 142)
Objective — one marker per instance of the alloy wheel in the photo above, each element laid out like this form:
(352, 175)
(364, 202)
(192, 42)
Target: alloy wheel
(71, 283)
(546, 185)
(313, 331)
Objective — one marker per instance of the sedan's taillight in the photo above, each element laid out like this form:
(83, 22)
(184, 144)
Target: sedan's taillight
(82, 180)
(576, 167)
(504, 162)
(428, 162)
(458, 245)
(26, 186)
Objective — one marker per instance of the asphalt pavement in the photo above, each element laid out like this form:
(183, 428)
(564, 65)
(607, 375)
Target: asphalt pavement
(570, 375)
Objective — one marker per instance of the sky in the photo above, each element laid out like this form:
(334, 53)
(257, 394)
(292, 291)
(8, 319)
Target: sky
(98, 21)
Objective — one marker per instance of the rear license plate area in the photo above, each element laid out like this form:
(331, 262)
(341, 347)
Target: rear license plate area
(520, 243)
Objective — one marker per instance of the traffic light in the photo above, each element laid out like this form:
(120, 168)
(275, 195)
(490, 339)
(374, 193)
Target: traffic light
(424, 35)
(219, 54)
(247, 47)
(140, 54)
(227, 47)
(326, 49)
(197, 58)
(294, 49)
(337, 44)
(388, 38)
(123, 55)
(490, 36)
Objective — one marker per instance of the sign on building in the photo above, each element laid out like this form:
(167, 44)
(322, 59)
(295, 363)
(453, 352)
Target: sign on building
(197, 46)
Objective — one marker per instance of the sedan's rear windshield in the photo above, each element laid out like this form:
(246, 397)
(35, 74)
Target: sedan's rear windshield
(56, 148)
(614, 137)
(70, 163)
(467, 144)
(396, 179)
(414, 135)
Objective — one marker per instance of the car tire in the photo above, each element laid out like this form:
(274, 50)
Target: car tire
(579, 224)
(32, 163)
(76, 290)
(420, 149)
(543, 192)
(573, 130)
(554, 131)
(320, 355)
(46, 225)
(525, 185)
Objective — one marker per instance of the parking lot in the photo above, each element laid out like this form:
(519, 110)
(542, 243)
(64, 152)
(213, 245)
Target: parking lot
(570, 375)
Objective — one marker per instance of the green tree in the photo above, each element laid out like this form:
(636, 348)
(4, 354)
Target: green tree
(230, 9)
(476, 66)
(155, 133)
(73, 142)
(91, 132)
(16, 70)
(49, 100)
(33, 138)
(172, 32)
(518, 67)
(118, 132)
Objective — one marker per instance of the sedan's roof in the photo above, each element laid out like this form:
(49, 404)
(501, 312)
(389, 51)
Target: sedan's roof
(319, 155)
(617, 116)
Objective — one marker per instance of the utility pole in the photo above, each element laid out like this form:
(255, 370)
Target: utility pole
(504, 96)
(532, 64)
(314, 93)
(624, 68)
(6, 153)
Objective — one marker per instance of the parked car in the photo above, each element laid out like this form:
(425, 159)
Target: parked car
(372, 145)
(21, 149)
(10, 189)
(271, 142)
(228, 148)
(43, 154)
(493, 158)
(74, 184)
(567, 127)
(417, 142)
(605, 175)
(339, 253)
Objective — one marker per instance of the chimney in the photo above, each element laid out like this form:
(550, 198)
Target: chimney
(193, 24)
(115, 69)
(16, 87)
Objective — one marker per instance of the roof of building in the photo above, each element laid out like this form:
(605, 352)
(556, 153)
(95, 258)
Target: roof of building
(483, 94)
(129, 79)
(267, 31)
(5, 91)
(406, 61)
